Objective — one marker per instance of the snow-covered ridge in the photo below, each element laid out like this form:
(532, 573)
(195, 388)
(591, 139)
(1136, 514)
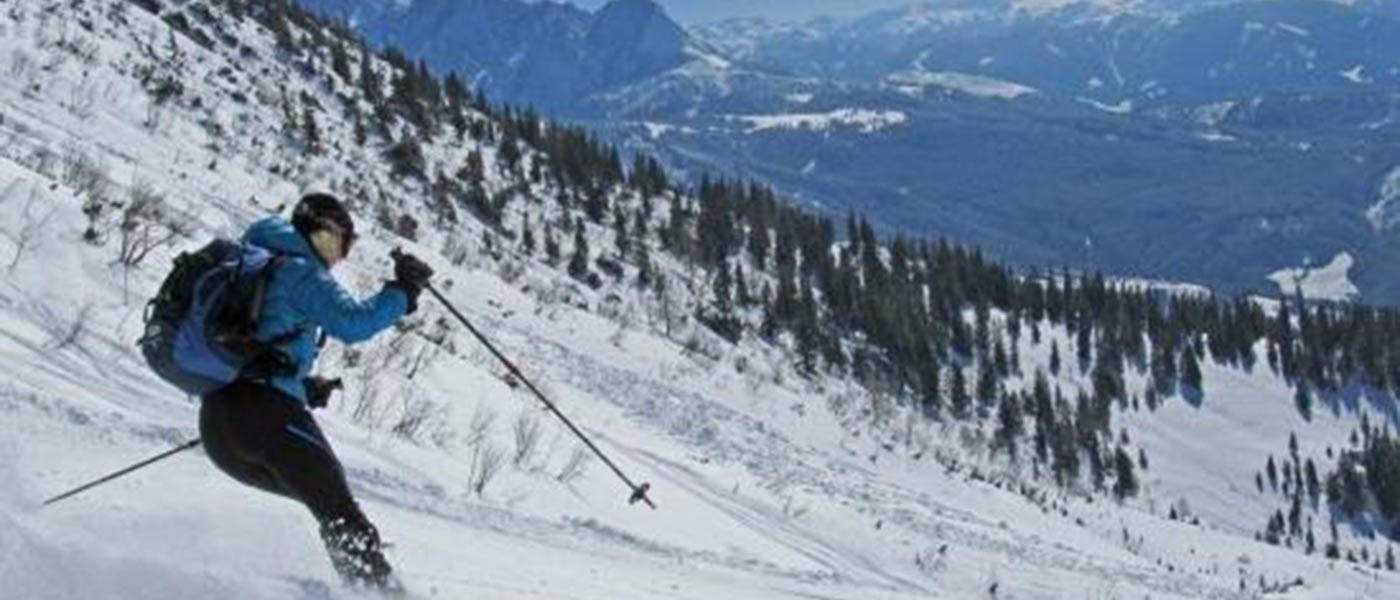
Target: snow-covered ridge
(915, 83)
(864, 119)
(1382, 214)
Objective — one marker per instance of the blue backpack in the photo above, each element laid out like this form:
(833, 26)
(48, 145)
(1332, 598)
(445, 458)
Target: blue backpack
(200, 326)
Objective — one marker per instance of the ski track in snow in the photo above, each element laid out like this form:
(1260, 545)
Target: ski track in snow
(694, 416)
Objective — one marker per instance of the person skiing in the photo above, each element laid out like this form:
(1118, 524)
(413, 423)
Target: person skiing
(259, 429)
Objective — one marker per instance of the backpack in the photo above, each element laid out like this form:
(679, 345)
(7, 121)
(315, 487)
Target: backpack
(200, 326)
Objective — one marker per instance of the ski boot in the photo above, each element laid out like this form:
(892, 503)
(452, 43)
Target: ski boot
(357, 554)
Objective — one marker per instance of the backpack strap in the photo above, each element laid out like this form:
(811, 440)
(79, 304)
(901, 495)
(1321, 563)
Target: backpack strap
(271, 361)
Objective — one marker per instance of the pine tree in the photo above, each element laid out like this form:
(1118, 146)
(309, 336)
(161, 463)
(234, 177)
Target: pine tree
(621, 241)
(1084, 343)
(986, 386)
(1044, 411)
(371, 86)
(958, 395)
(340, 60)
(1295, 515)
(930, 400)
(527, 234)
(1009, 423)
(361, 134)
(578, 263)
(311, 132)
(1302, 398)
(645, 270)
(1125, 483)
(1311, 481)
(1190, 370)
(741, 287)
(1054, 357)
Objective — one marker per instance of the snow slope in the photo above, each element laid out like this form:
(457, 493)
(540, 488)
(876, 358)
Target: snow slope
(768, 485)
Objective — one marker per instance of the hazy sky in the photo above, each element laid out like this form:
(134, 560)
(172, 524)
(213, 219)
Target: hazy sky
(690, 12)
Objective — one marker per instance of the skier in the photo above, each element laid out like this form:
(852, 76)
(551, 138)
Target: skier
(259, 429)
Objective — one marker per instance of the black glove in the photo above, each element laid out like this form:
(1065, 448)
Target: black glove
(410, 275)
(318, 390)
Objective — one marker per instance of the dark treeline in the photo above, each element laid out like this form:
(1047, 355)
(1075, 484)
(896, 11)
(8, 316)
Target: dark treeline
(907, 316)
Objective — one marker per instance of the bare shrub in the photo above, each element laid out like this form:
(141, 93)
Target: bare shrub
(42, 161)
(82, 99)
(365, 400)
(456, 250)
(20, 64)
(71, 334)
(90, 179)
(33, 221)
(417, 415)
(82, 48)
(146, 224)
(511, 270)
(575, 466)
(479, 430)
(527, 438)
(486, 463)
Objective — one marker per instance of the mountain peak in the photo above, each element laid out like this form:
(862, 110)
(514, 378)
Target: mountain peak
(632, 10)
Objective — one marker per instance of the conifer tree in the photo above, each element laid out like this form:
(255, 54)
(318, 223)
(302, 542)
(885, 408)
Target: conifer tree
(527, 234)
(930, 400)
(986, 386)
(621, 241)
(1125, 484)
(958, 396)
(371, 86)
(1009, 424)
(578, 262)
(311, 132)
(551, 245)
(340, 60)
(1190, 369)
(1302, 399)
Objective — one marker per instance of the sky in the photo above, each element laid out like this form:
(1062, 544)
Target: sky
(691, 12)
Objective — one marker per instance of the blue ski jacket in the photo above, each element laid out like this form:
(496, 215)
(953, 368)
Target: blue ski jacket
(302, 297)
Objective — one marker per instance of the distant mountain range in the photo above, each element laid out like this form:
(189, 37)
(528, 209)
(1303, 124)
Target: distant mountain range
(1211, 141)
(552, 55)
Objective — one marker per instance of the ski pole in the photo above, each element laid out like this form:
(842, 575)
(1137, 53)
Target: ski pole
(639, 492)
(87, 486)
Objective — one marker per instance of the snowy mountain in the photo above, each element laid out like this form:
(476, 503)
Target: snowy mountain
(551, 55)
(1024, 108)
(996, 148)
(136, 131)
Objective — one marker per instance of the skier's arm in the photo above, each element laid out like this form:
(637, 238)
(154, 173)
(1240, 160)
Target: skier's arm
(343, 317)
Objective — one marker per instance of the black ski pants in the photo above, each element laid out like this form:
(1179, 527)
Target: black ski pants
(268, 440)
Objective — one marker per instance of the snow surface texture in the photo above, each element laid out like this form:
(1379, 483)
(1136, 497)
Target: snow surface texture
(769, 486)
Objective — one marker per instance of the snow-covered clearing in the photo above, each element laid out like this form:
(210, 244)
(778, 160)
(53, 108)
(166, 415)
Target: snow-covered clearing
(864, 119)
(1328, 282)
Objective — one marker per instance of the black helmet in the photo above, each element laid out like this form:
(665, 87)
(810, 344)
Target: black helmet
(323, 211)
